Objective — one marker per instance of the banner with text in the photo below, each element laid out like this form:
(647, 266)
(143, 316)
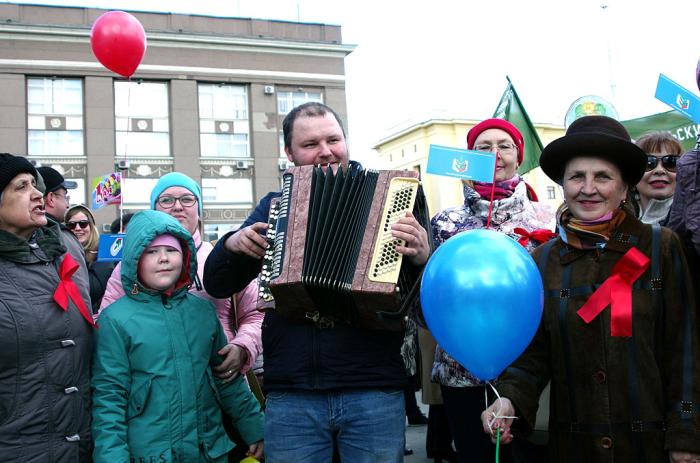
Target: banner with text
(683, 129)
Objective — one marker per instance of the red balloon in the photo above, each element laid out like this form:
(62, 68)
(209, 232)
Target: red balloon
(118, 42)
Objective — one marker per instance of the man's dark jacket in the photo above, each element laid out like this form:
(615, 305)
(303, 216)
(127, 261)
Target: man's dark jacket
(302, 356)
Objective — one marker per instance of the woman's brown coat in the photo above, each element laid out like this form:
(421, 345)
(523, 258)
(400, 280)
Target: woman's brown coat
(614, 399)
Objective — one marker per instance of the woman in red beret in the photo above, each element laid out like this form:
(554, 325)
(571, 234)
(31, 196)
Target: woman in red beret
(508, 205)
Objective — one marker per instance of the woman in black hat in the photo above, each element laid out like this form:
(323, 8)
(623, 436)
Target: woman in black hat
(618, 337)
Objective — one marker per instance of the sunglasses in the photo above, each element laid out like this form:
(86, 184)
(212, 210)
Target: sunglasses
(668, 162)
(79, 223)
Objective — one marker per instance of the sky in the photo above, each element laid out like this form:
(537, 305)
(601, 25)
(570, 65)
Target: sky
(416, 60)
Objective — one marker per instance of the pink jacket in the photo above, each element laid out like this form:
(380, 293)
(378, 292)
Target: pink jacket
(249, 318)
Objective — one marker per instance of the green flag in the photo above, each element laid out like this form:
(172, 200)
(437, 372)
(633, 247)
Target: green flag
(511, 109)
(682, 128)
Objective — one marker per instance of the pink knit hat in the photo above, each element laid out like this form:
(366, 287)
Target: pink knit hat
(166, 240)
(504, 125)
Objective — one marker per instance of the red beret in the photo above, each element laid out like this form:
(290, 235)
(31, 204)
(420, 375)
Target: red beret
(504, 125)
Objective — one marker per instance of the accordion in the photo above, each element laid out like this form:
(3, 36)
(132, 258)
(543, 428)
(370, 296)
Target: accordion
(332, 258)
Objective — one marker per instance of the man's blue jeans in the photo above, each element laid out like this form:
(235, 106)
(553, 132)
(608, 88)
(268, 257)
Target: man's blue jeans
(366, 425)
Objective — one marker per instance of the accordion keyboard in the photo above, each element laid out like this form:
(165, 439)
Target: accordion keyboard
(386, 262)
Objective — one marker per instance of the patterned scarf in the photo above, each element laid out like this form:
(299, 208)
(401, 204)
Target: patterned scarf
(593, 234)
(502, 189)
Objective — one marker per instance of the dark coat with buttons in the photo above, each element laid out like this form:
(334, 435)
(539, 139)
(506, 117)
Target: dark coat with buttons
(45, 353)
(613, 399)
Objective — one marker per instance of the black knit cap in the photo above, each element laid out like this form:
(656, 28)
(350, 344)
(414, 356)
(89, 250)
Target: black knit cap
(11, 166)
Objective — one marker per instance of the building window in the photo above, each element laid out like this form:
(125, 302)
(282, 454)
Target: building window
(77, 195)
(141, 119)
(218, 192)
(136, 192)
(214, 231)
(551, 192)
(286, 101)
(55, 117)
(223, 120)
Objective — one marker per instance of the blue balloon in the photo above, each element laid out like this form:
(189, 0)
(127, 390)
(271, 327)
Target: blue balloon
(482, 299)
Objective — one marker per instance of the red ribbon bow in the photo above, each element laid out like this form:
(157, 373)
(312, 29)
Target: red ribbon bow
(67, 289)
(541, 235)
(616, 291)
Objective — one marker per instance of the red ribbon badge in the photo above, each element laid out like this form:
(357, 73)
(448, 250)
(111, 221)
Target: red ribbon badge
(616, 291)
(541, 235)
(67, 289)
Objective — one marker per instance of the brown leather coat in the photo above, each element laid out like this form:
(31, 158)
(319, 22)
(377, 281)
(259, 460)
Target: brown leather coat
(613, 399)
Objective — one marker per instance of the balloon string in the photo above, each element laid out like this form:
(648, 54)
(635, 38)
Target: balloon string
(493, 191)
(125, 173)
(498, 442)
(496, 415)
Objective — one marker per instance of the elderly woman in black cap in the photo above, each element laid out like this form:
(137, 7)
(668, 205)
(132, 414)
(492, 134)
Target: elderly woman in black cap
(618, 336)
(45, 328)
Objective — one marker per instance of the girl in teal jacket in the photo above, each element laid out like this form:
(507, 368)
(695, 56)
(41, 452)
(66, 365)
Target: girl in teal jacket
(154, 396)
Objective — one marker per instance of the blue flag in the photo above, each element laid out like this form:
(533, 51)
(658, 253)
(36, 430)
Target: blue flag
(679, 98)
(110, 247)
(461, 163)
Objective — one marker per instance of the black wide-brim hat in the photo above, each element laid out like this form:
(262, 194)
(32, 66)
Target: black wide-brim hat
(598, 137)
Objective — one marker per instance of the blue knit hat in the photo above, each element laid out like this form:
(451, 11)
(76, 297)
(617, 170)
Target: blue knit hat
(177, 179)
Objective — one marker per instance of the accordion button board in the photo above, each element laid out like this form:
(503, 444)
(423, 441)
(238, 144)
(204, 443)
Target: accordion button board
(386, 261)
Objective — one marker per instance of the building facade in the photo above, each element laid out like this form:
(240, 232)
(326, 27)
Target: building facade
(207, 100)
(408, 148)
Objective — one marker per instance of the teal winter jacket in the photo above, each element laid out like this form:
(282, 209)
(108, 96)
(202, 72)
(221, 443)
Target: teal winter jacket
(155, 398)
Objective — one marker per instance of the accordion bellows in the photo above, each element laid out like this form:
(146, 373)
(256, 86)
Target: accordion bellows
(332, 258)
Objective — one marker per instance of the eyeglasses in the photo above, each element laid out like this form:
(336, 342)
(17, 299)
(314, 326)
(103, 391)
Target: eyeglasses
(504, 148)
(668, 162)
(77, 223)
(167, 202)
(65, 196)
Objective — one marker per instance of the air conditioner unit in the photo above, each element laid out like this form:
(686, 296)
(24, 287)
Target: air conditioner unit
(241, 165)
(123, 164)
(284, 164)
(269, 89)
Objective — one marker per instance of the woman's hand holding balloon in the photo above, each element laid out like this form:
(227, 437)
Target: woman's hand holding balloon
(499, 415)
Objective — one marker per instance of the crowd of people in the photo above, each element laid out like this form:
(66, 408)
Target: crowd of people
(160, 357)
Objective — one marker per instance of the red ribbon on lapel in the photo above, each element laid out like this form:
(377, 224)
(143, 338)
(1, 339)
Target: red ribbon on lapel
(616, 291)
(541, 235)
(67, 289)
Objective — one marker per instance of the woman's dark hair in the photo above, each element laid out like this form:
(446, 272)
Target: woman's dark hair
(655, 142)
(114, 227)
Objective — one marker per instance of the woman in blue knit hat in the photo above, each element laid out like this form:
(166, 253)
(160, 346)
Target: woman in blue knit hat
(180, 196)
